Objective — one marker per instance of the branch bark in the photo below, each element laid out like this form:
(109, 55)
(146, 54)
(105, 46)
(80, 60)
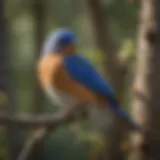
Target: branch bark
(36, 121)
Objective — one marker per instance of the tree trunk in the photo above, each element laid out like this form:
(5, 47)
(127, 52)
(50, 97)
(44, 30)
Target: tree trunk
(7, 95)
(115, 71)
(38, 12)
(146, 97)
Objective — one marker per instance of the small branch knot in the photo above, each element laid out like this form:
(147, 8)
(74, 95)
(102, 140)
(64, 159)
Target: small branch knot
(151, 36)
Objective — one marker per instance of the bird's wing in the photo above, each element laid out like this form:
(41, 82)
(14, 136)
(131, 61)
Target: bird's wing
(83, 72)
(53, 73)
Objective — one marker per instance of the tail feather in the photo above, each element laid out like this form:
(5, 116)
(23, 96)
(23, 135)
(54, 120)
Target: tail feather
(116, 107)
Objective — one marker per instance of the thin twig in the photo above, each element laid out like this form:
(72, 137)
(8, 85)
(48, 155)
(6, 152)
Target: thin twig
(37, 136)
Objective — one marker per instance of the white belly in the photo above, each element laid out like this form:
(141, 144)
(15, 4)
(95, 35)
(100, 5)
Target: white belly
(60, 98)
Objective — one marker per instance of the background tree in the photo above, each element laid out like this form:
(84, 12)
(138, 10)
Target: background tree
(116, 71)
(38, 10)
(146, 94)
(7, 92)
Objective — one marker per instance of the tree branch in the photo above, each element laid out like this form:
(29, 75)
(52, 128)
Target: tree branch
(28, 147)
(36, 121)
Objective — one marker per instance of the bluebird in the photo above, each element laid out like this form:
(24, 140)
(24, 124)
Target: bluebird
(69, 79)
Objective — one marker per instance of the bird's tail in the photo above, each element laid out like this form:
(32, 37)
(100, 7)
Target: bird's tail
(115, 106)
(120, 112)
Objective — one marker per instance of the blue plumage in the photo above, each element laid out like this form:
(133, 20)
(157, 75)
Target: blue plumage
(58, 40)
(83, 72)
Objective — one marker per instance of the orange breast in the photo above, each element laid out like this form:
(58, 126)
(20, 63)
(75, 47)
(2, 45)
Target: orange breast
(54, 81)
(46, 69)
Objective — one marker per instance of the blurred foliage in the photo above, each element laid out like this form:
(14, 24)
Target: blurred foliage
(62, 145)
(123, 15)
(3, 99)
(127, 51)
(3, 151)
(93, 54)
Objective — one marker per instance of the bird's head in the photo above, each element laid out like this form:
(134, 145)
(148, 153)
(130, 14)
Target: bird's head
(62, 41)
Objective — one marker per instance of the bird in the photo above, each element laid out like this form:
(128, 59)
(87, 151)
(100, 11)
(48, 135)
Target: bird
(68, 78)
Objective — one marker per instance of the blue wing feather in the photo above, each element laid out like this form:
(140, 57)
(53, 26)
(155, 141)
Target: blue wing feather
(82, 71)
